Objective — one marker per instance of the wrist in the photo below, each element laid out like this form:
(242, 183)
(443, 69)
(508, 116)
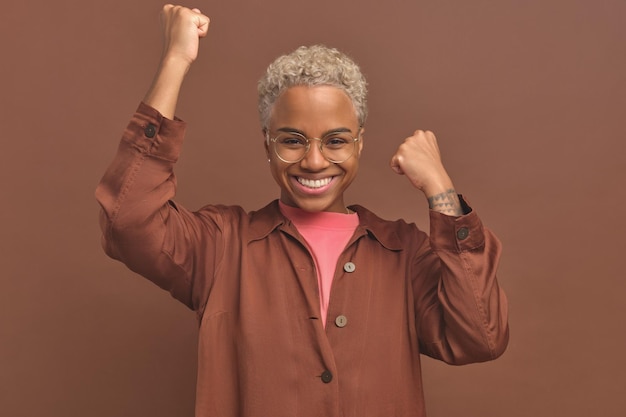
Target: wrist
(437, 186)
(446, 202)
(173, 64)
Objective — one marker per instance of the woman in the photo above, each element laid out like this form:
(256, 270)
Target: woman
(306, 307)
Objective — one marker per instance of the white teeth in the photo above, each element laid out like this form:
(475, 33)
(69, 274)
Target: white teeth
(314, 183)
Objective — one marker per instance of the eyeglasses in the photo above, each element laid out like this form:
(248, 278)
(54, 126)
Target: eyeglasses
(291, 147)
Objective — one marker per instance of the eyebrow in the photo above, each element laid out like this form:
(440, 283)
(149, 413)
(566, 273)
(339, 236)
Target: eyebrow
(328, 132)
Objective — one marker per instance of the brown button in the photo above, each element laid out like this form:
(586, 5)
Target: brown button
(327, 377)
(150, 131)
(349, 267)
(341, 321)
(462, 233)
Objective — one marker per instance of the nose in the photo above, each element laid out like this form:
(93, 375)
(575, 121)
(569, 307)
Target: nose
(314, 160)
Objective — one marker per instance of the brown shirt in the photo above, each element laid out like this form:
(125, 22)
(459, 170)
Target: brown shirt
(263, 350)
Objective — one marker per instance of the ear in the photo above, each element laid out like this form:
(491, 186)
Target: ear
(266, 142)
(361, 137)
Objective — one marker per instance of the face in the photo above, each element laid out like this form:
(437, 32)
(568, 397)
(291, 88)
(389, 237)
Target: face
(314, 183)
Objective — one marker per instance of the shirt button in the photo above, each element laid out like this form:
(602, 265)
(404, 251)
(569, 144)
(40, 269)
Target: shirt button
(341, 321)
(327, 377)
(150, 131)
(462, 233)
(349, 267)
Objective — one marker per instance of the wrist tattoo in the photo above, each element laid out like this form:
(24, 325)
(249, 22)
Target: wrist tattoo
(446, 203)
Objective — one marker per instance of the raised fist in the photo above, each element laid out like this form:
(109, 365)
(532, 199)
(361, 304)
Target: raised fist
(182, 30)
(418, 158)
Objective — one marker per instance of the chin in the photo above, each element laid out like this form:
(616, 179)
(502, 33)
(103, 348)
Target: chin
(305, 204)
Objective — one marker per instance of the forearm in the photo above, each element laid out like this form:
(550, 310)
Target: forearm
(165, 88)
(135, 190)
(463, 310)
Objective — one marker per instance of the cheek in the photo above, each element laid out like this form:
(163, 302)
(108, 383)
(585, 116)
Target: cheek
(355, 168)
(277, 170)
(354, 164)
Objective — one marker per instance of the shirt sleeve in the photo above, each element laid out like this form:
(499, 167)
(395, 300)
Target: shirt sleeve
(141, 225)
(462, 311)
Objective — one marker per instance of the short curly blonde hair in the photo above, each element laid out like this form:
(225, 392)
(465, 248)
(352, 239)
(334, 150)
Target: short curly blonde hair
(311, 66)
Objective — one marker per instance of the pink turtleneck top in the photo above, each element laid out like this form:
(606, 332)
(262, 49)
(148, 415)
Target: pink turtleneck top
(327, 234)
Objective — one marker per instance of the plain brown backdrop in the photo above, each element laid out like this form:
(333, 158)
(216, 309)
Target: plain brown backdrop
(527, 99)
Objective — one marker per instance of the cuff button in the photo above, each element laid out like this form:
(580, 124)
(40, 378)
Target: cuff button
(150, 131)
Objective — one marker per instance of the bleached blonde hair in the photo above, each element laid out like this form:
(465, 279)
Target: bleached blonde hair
(312, 66)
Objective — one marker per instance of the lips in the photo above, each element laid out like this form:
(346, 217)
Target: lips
(314, 183)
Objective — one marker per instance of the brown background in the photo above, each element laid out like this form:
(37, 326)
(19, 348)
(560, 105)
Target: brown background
(527, 99)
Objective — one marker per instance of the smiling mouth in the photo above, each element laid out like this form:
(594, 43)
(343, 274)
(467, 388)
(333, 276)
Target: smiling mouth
(314, 183)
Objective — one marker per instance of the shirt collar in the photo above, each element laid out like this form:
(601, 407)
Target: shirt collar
(269, 218)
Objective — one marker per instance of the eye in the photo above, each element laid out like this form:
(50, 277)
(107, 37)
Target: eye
(337, 140)
(291, 140)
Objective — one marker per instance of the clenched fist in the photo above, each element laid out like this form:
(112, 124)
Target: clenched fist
(182, 30)
(418, 158)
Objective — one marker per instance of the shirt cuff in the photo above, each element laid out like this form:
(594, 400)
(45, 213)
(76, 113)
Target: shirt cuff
(152, 133)
(456, 234)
